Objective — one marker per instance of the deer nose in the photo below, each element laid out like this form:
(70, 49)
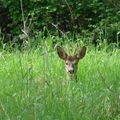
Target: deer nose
(71, 71)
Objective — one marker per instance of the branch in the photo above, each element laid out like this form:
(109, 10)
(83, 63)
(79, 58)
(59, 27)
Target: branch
(70, 10)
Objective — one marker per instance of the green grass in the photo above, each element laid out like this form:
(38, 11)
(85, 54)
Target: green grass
(34, 87)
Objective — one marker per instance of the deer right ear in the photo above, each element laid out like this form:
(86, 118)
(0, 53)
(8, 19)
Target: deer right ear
(61, 53)
(82, 53)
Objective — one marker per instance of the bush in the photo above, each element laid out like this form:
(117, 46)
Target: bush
(68, 15)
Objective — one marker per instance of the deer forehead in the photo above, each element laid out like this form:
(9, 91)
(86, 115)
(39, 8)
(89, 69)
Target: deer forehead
(71, 58)
(69, 62)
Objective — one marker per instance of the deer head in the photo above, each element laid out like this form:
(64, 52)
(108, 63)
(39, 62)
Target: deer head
(71, 62)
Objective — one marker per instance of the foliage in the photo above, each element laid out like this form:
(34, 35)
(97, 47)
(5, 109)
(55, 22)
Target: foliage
(68, 15)
(35, 87)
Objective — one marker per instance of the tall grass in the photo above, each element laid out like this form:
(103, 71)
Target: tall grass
(34, 87)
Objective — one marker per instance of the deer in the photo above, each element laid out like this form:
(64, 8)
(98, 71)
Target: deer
(71, 62)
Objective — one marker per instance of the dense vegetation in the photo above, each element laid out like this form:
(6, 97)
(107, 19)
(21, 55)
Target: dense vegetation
(33, 84)
(84, 17)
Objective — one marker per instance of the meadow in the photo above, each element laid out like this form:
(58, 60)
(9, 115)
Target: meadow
(33, 86)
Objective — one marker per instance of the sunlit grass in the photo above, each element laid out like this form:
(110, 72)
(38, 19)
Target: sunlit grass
(34, 87)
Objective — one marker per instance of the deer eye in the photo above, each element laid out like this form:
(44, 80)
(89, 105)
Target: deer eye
(66, 63)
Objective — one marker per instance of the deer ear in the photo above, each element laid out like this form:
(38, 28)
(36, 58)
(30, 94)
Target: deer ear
(61, 53)
(82, 53)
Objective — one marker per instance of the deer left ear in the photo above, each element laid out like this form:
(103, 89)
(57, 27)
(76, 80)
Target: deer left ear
(61, 53)
(82, 53)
